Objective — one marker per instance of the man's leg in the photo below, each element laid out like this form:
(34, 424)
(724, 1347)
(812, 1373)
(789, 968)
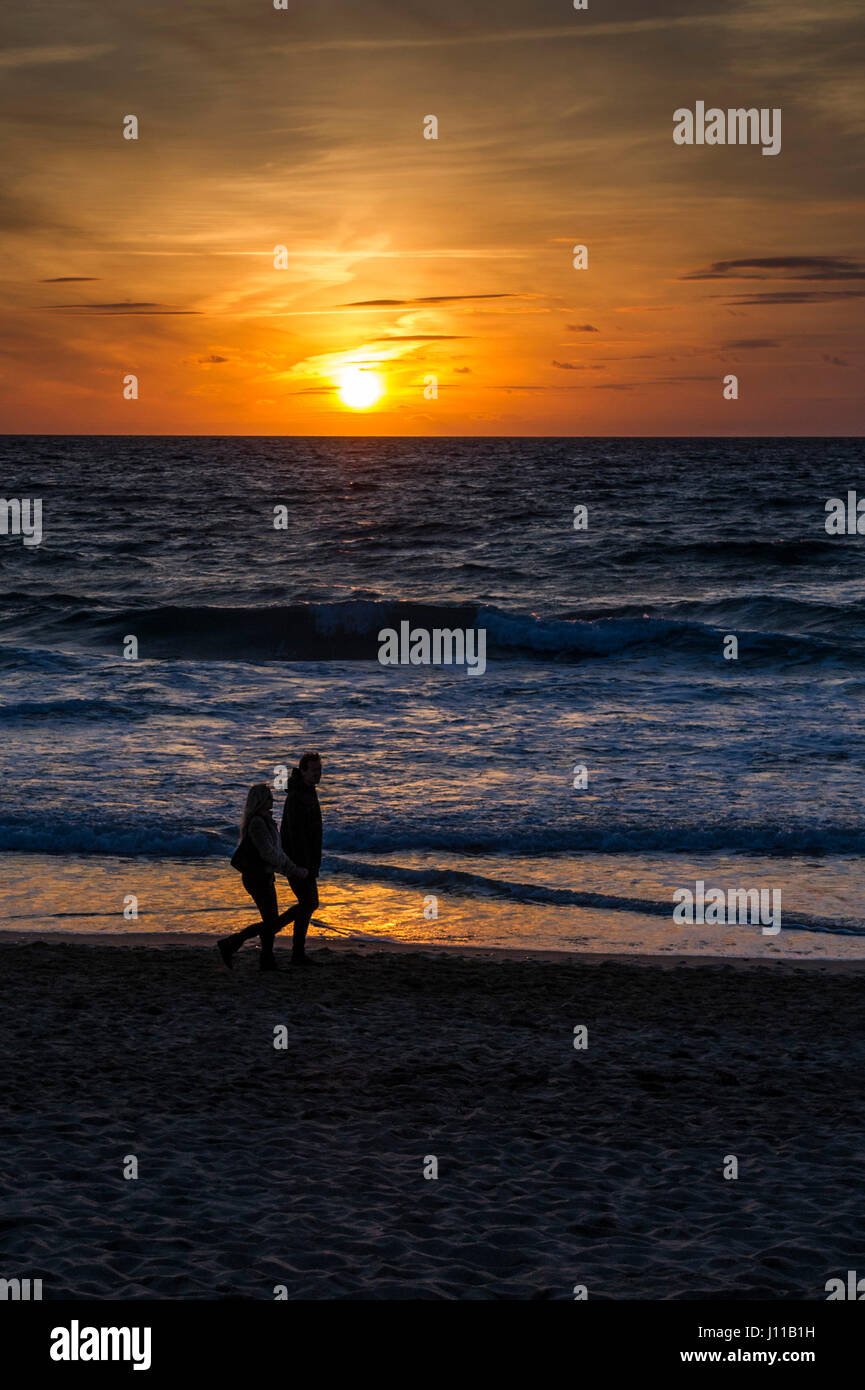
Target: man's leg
(306, 892)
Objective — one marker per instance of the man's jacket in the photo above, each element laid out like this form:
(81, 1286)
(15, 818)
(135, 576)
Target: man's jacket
(300, 831)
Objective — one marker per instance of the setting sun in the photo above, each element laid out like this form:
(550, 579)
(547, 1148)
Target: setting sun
(359, 389)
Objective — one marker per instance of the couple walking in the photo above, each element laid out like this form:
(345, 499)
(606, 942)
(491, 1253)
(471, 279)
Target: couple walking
(293, 850)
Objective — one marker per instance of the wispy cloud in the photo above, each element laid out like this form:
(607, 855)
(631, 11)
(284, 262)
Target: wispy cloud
(577, 32)
(421, 299)
(57, 53)
(799, 297)
(125, 308)
(738, 344)
(782, 268)
(420, 337)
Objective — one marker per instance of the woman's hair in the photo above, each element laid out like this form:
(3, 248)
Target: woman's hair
(258, 799)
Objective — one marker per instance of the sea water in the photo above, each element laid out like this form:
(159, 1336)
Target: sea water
(453, 805)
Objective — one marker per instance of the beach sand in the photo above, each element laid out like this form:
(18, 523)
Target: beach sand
(303, 1168)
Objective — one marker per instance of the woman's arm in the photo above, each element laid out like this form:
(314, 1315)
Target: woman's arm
(269, 848)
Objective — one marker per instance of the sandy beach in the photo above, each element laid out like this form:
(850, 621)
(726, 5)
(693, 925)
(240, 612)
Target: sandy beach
(262, 1168)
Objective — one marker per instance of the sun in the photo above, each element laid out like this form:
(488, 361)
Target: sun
(358, 389)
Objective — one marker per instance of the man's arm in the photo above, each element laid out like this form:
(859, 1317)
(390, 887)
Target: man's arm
(293, 831)
(285, 825)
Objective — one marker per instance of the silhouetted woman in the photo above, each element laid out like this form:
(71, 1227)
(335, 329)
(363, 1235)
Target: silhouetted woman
(259, 855)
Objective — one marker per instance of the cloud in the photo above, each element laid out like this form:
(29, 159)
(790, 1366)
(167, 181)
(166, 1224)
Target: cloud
(212, 358)
(28, 214)
(739, 343)
(581, 328)
(419, 337)
(569, 366)
(553, 34)
(129, 307)
(423, 299)
(835, 361)
(59, 53)
(799, 297)
(655, 381)
(67, 279)
(782, 268)
(678, 380)
(462, 369)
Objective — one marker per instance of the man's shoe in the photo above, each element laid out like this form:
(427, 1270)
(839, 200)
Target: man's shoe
(301, 962)
(269, 967)
(225, 953)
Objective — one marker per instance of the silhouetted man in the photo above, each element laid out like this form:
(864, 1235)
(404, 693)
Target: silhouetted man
(300, 833)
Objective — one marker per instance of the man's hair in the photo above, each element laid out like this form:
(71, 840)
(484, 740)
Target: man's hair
(307, 759)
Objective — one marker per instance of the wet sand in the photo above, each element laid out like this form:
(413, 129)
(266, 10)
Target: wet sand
(303, 1168)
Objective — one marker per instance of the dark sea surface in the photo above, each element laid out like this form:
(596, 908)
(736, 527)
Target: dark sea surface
(604, 648)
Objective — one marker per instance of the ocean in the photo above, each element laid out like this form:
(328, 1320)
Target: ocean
(450, 807)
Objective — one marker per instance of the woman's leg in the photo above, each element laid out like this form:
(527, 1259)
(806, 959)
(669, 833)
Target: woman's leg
(269, 909)
(263, 893)
(254, 928)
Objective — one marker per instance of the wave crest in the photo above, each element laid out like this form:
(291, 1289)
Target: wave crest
(347, 630)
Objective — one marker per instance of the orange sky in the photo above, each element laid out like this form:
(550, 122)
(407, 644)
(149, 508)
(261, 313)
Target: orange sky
(449, 258)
